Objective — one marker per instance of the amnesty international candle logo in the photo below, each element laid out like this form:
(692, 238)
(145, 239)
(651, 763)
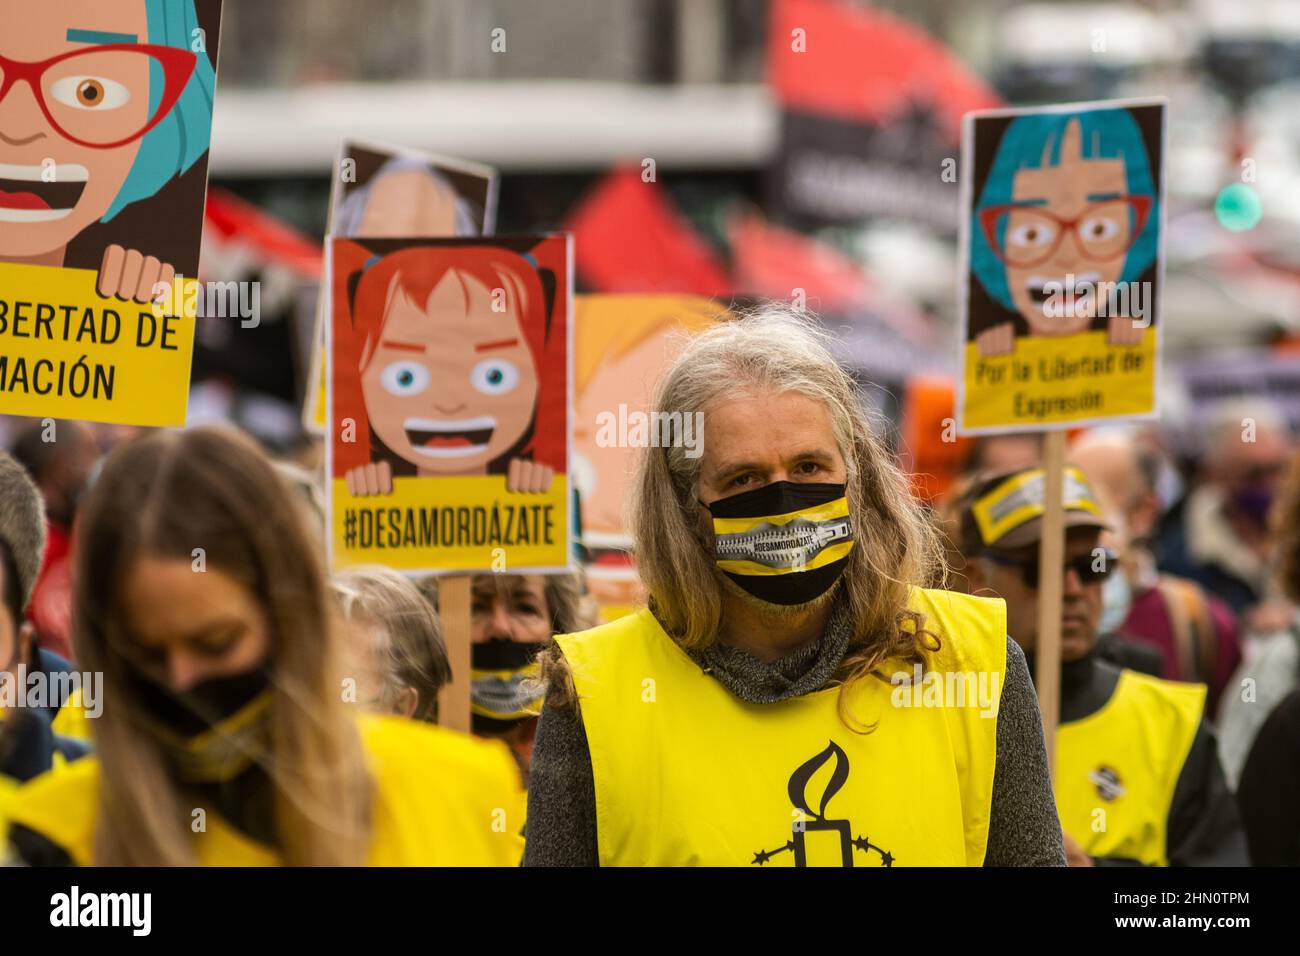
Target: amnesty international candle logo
(812, 822)
(449, 375)
(1061, 239)
(105, 118)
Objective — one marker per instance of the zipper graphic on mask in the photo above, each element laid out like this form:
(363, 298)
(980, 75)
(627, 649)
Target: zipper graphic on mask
(781, 546)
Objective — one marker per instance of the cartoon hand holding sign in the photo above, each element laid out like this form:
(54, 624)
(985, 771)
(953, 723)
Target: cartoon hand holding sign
(101, 105)
(1069, 209)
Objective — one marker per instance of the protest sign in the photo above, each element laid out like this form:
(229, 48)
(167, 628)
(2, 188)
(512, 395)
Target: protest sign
(103, 172)
(1061, 252)
(385, 192)
(622, 345)
(449, 371)
(1062, 265)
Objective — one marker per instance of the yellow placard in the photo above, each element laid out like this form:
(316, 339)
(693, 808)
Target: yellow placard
(67, 352)
(1055, 380)
(450, 524)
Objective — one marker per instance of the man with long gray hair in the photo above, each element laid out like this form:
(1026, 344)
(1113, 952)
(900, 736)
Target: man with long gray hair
(795, 693)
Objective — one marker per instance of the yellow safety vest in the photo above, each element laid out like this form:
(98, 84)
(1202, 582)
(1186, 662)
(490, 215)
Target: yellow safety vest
(441, 799)
(71, 720)
(1116, 769)
(688, 774)
(8, 787)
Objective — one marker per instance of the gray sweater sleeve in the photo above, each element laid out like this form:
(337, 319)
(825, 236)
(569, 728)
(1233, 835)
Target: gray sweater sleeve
(1024, 829)
(561, 825)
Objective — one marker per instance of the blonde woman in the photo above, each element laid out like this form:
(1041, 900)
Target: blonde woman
(225, 739)
(776, 702)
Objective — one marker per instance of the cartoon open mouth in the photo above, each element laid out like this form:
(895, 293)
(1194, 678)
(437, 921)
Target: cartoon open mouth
(27, 196)
(451, 438)
(1066, 293)
(1037, 286)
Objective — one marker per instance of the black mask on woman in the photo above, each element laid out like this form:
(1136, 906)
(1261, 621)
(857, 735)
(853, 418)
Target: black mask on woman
(215, 729)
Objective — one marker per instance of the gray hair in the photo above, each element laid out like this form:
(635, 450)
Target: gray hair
(413, 652)
(352, 210)
(22, 525)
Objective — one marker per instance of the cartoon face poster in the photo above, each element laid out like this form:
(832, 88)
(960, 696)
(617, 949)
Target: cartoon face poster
(449, 365)
(1063, 211)
(105, 118)
(383, 192)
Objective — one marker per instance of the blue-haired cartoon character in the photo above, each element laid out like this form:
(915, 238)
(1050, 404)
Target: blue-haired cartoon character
(101, 105)
(1070, 203)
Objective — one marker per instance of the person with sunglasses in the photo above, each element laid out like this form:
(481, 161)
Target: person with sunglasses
(1137, 773)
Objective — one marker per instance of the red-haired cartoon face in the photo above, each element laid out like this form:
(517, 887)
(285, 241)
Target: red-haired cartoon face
(450, 384)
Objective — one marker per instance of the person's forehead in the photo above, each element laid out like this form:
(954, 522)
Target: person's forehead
(1109, 462)
(509, 586)
(766, 423)
(1268, 446)
(196, 601)
(1081, 539)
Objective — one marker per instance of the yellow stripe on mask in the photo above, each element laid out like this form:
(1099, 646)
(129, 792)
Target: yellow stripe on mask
(839, 508)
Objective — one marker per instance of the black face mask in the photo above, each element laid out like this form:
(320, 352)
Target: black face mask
(214, 730)
(499, 697)
(786, 543)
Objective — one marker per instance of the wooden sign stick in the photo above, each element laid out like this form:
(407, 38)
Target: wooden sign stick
(454, 615)
(1051, 561)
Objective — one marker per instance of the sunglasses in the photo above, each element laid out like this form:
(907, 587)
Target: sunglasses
(1091, 568)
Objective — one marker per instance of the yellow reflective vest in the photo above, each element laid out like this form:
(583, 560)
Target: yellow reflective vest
(71, 720)
(441, 799)
(1117, 768)
(687, 774)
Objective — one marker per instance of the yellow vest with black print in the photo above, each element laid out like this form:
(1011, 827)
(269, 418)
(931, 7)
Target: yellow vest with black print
(71, 720)
(441, 799)
(688, 774)
(1116, 769)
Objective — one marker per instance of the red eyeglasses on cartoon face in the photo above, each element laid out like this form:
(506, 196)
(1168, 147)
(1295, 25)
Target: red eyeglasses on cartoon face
(94, 97)
(1026, 236)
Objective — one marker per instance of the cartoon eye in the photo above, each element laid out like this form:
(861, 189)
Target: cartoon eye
(90, 93)
(405, 378)
(494, 377)
(1031, 235)
(1098, 229)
